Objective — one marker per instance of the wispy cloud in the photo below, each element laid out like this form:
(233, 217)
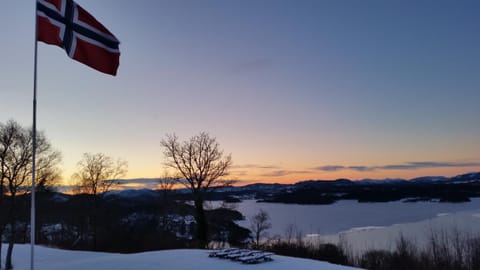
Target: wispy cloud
(403, 166)
(334, 168)
(330, 168)
(279, 173)
(138, 181)
(361, 168)
(238, 173)
(427, 164)
(149, 183)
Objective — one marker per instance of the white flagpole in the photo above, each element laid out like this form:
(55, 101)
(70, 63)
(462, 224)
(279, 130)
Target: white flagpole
(34, 150)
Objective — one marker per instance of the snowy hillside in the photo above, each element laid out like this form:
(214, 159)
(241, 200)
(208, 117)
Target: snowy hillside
(182, 259)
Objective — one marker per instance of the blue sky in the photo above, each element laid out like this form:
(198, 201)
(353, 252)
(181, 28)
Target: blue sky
(287, 87)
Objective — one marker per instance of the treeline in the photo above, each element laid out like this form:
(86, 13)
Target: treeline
(450, 250)
(114, 223)
(16, 155)
(94, 219)
(327, 193)
(444, 251)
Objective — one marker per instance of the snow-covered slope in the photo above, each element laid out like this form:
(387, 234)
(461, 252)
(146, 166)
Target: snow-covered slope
(182, 259)
(429, 179)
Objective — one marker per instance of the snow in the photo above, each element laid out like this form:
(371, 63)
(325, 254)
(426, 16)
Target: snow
(181, 259)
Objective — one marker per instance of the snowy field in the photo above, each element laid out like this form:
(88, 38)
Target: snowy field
(181, 259)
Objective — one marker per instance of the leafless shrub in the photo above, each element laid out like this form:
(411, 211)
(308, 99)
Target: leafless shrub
(446, 250)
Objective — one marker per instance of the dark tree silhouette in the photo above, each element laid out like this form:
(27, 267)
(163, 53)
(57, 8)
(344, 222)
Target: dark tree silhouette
(260, 223)
(166, 183)
(202, 164)
(16, 170)
(96, 175)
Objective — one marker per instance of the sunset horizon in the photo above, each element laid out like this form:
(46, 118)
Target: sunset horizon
(152, 182)
(218, 134)
(292, 90)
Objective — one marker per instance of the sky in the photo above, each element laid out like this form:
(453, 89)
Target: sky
(294, 90)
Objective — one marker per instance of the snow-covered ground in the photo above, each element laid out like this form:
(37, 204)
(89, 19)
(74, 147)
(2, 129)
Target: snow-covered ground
(181, 259)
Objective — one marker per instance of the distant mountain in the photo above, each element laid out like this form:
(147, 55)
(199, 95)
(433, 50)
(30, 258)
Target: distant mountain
(59, 197)
(430, 179)
(439, 188)
(132, 194)
(458, 188)
(382, 181)
(323, 183)
(338, 184)
(258, 187)
(466, 178)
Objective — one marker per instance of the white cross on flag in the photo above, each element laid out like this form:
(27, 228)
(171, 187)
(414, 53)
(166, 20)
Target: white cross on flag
(65, 24)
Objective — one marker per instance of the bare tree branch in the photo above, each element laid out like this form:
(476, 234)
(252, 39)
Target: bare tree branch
(16, 147)
(97, 173)
(202, 164)
(260, 223)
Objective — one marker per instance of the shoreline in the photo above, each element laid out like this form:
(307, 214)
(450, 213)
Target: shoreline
(361, 239)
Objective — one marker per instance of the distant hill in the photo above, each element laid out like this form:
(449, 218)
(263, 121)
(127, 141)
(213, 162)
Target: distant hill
(459, 188)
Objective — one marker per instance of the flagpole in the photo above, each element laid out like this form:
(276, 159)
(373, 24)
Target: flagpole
(34, 149)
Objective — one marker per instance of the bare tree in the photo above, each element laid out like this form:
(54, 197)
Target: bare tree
(16, 170)
(202, 163)
(293, 234)
(290, 233)
(260, 223)
(167, 182)
(48, 175)
(97, 173)
(7, 138)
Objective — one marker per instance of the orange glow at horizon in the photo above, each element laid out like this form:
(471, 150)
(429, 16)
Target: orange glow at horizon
(249, 174)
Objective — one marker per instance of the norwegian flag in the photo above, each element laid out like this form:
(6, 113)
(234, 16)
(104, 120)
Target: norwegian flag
(65, 24)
